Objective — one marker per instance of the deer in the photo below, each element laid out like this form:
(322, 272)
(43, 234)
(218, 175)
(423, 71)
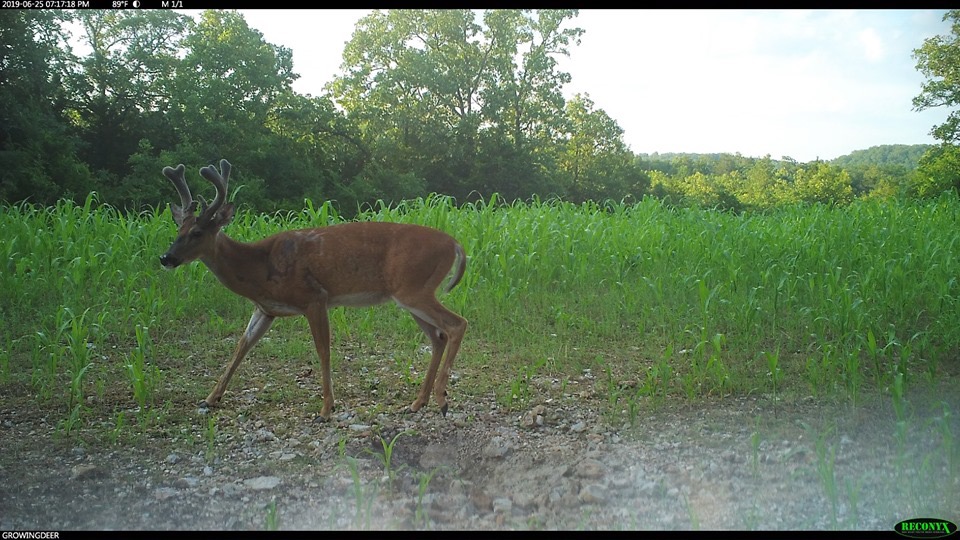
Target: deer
(309, 271)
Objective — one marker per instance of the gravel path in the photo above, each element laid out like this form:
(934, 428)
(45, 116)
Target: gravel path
(734, 463)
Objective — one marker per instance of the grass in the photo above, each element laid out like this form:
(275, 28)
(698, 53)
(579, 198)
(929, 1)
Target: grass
(837, 303)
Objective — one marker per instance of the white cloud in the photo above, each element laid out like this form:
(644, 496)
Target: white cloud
(873, 47)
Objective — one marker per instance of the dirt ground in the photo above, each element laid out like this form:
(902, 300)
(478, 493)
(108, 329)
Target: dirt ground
(731, 463)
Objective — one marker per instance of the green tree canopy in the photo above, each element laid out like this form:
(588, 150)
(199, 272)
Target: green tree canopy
(38, 150)
(439, 83)
(938, 59)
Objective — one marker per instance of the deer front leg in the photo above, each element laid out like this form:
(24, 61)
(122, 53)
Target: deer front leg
(320, 328)
(259, 324)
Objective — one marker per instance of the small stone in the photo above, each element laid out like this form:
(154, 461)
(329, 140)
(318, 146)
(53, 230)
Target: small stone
(164, 493)
(82, 472)
(497, 448)
(481, 501)
(188, 482)
(589, 468)
(593, 494)
(262, 482)
(522, 500)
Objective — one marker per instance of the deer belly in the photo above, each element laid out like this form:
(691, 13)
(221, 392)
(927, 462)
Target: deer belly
(360, 299)
(278, 309)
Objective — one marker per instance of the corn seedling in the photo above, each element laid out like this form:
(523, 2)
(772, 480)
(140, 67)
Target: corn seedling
(385, 456)
(826, 456)
(210, 436)
(143, 376)
(755, 440)
(421, 517)
(900, 412)
(271, 520)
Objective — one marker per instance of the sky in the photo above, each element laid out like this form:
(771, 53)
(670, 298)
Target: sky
(803, 84)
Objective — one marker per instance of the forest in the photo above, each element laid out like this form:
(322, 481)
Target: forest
(454, 102)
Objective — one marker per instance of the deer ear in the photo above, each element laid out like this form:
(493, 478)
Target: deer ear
(178, 214)
(224, 215)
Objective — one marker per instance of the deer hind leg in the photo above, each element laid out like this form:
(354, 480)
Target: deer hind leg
(438, 342)
(320, 328)
(259, 324)
(454, 327)
(445, 330)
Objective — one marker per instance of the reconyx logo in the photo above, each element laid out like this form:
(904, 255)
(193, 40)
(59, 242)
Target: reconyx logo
(925, 528)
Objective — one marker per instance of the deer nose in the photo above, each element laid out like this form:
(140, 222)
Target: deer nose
(169, 261)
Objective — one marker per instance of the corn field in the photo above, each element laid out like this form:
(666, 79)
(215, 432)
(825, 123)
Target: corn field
(805, 300)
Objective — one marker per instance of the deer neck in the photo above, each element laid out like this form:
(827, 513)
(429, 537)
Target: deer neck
(236, 264)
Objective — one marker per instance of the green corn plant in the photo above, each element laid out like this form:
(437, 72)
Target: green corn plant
(210, 435)
(143, 376)
(385, 456)
(363, 497)
(119, 426)
(755, 439)
(271, 520)
(826, 456)
(5, 352)
(421, 517)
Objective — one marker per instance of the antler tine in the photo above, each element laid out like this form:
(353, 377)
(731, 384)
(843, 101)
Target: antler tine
(176, 177)
(219, 181)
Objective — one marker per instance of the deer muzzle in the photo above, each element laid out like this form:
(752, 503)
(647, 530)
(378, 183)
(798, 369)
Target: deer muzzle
(169, 261)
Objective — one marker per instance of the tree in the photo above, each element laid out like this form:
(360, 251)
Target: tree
(824, 183)
(665, 187)
(899, 155)
(877, 180)
(595, 163)
(439, 84)
(938, 171)
(763, 187)
(228, 81)
(523, 96)
(413, 76)
(123, 91)
(38, 146)
(938, 59)
(327, 149)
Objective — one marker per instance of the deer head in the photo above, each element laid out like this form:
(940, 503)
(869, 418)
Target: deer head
(196, 234)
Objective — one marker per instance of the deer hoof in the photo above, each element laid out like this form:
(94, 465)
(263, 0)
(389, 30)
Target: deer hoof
(444, 410)
(412, 408)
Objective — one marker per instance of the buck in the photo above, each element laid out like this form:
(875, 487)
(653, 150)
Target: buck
(307, 272)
